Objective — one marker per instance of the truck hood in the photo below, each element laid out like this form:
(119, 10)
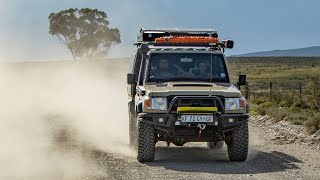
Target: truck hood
(193, 89)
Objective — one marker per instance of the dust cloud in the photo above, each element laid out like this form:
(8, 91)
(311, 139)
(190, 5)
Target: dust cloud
(55, 115)
(255, 142)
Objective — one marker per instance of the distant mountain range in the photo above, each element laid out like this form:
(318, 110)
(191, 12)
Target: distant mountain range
(301, 52)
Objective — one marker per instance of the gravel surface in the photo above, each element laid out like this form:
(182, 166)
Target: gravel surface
(268, 159)
(283, 132)
(31, 151)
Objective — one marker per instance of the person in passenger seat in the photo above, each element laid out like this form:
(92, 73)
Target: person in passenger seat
(204, 70)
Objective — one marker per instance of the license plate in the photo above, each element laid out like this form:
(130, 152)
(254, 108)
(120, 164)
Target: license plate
(196, 118)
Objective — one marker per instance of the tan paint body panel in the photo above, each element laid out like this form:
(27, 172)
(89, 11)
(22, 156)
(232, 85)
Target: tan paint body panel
(191, 89)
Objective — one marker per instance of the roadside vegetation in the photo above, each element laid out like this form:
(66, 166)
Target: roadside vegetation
(286, 102)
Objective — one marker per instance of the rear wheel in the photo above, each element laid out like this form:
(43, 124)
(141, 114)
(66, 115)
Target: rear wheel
(238, 143)
(146, 142)
(218, 145)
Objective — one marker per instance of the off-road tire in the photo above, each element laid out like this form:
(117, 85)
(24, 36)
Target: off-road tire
(238, 143)
(219, 145)
(132, 130)
(146, 142)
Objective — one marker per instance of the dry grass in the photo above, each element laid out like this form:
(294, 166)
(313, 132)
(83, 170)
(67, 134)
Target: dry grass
(286, 73)
(274, 69)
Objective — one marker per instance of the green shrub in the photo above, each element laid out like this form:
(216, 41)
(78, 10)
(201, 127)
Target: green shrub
(295, 109)
(283, 100)
(284, 103)
(298, 118)
(297, 122)
(259, 101)
(297, 104)
(278, 114)
(313, 123)
(300, 104)
(277, 97)
(313, 93)
(261, 109)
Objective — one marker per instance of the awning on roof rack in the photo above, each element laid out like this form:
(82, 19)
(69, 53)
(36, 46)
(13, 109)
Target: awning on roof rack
(149, 35)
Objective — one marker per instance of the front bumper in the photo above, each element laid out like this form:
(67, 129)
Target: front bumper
(168, 122)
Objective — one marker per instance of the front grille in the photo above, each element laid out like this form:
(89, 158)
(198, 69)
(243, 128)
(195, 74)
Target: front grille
(195, 102)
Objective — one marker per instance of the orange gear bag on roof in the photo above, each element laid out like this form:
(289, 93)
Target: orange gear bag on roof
(186, 39)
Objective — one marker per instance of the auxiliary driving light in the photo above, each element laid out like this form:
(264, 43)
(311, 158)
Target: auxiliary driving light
(160, 120)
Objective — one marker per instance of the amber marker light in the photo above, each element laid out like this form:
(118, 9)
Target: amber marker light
(147, 103)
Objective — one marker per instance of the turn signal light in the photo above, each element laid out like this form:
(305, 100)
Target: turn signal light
(243, 103)
(147, 103)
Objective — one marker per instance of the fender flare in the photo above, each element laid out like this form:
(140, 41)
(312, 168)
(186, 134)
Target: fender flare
(139, 107)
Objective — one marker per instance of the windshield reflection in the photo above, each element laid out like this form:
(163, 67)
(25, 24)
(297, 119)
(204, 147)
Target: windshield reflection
(197, 67)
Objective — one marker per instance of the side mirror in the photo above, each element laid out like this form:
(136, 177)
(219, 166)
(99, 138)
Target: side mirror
(228, 44)
(242, 80)
(131, 79)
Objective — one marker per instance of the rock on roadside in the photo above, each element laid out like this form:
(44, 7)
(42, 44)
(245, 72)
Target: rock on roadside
(283, 132)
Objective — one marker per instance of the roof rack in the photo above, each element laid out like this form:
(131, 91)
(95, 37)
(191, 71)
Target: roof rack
(149, 35)
(182, 37)
(219, 45)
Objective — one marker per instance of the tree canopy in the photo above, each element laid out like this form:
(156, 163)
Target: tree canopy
(85, 32)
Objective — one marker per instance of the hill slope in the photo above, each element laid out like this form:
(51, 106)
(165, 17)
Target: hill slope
(301, 52)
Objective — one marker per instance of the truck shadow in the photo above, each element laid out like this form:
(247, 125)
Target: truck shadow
(200, 159)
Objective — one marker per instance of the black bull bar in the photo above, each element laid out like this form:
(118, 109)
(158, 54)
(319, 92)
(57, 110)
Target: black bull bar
(221, 119)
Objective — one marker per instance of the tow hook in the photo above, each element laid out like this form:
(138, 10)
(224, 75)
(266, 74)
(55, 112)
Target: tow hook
(201, 128)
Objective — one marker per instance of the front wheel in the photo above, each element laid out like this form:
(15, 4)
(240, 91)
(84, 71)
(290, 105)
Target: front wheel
(146, 142)
(238, 143)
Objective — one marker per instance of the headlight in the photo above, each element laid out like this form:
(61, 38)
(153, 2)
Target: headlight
(235, 103)
(159, 103)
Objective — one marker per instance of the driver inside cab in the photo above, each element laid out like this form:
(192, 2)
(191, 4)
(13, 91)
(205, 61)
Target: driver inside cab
(164, 70)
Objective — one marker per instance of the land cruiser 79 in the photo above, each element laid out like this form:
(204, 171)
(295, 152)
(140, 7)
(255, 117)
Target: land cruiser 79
(179, 91)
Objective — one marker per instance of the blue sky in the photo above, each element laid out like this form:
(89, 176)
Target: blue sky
(254, 25)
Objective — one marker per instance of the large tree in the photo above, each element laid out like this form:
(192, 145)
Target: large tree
(85, 32)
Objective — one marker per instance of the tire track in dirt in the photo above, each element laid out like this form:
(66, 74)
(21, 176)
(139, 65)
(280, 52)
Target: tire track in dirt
(195, 161)
(100, 129)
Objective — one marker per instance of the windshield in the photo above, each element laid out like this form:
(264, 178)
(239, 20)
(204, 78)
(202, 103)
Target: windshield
(206, 67)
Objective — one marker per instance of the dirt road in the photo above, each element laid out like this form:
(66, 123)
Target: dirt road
(194, 161)
(78, 99)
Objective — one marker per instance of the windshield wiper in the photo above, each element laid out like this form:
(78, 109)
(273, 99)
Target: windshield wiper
(179, 79)
(216, 80)
(158, 81)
